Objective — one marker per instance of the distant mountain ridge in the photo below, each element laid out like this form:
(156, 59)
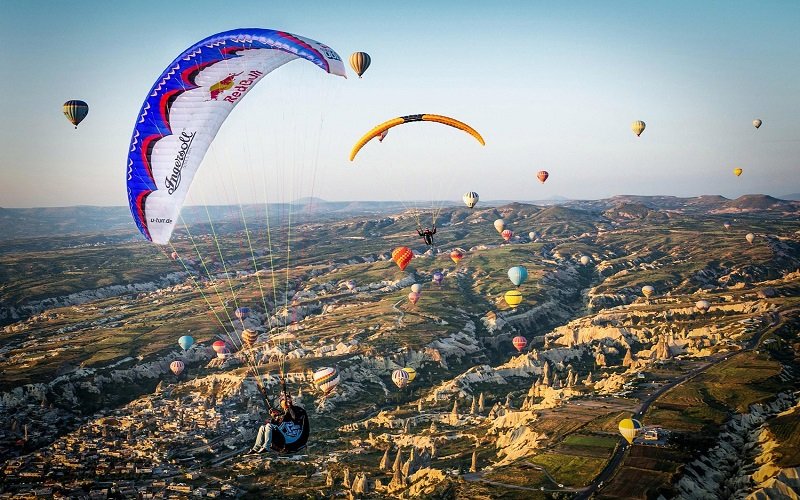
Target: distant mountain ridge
(17, 223)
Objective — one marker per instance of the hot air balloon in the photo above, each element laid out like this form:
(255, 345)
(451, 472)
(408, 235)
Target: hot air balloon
(326, 379)
(750, 237)
(702, 305)
(542, 176)
(185, 342)
(585, 259)
(174, 256)
(438, 277)
(648, 290)
(756, 123)
(350, 284)
(456, 255)
(513, 298)
(499, 224)
(413, 297)
(533, 235)
(445, 120)
(249, 336)
(189, 102)
(638, 127)
(177, 367)
(629, 427)
(360, 61)
(400, 378)
(726, 225)
(519, 342)
(507, 234)
(219, 346)
(402, 256)
(242, 313)
(470, 199)
(75, 111)
(412, 373)
(737, 172)
(518, 275)
(416, 288)
(491, 315)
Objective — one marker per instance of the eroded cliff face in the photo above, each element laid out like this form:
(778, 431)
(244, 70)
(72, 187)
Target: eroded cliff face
(742, 457)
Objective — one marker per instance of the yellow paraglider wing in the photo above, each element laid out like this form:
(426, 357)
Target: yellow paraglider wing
(376, 131)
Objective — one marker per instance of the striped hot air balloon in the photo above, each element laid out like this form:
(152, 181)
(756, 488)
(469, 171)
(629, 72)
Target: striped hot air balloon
(519, 342)
(470, 199)
(648, 291)
(326, 379)
(507, 234)
(360, 61)
(249, 336)
(75, 111)
(456, 255)
(219, 346)
(638, 127)
(400, 378)
(402, 256)
(542, 176)
(513, 298)
(438, 277)
(177, 367)
(629, 428)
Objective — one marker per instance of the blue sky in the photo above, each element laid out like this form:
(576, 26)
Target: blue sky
(550, 85)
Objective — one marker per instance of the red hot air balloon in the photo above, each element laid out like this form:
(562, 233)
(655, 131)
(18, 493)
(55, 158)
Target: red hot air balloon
(413, 297)
(519, 342)
(219, 346)
(542, 176)
(402, 256)
(507, 234)
(174, 255)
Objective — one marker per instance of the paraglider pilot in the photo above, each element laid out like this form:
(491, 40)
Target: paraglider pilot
(427, 234)
(286, 430)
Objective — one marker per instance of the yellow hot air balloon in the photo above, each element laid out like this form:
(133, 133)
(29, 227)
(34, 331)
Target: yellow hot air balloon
(638, 127)
(360, 61)
(412, 373)
(513, 298)
(445, 120)
(629, 428)
(737, 172)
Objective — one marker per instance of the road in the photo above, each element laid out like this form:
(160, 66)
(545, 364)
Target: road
(619, 452)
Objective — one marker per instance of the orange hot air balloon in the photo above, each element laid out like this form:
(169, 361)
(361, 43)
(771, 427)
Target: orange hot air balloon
(542, 176)
(507, 234)
(402, 256)
(519, 342)
(456, 255)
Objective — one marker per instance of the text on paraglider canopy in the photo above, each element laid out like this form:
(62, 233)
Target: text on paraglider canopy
(174, 180)
(242, 86)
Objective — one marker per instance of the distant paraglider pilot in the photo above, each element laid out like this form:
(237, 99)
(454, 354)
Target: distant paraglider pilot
(427, 235)
(286, 431)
